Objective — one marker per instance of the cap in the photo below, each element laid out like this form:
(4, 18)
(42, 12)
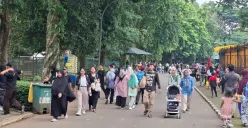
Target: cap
(142, 68)
(9, 65)
(64, 68)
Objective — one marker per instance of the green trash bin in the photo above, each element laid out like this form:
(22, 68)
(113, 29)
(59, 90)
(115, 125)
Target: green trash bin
(42, 98)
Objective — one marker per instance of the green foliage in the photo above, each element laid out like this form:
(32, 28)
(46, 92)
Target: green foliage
(173, 27)
(37, 78)
(22, 94)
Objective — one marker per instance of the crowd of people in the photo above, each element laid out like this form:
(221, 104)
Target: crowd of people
(128, 87)
(125, 85)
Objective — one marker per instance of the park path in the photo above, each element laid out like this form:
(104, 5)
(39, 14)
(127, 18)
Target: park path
(108, 116)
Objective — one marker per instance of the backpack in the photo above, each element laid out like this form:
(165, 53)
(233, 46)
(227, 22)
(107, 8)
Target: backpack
(142, 83)
(213, 83)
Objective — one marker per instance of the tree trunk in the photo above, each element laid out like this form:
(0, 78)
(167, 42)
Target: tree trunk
(4, 36)
(54, 19)
(103, 55)
(82, 60)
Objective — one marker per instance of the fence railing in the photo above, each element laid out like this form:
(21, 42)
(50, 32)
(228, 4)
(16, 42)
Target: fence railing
(32, 66)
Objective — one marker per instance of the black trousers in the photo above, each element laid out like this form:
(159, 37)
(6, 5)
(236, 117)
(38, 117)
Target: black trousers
(93, 99)
(103, 88)
(141, 92)
(10, 98)
(110, 92)
(2, 93)
(121, 101)
(213, 90)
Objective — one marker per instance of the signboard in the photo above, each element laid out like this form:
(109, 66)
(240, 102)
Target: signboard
(72, 64)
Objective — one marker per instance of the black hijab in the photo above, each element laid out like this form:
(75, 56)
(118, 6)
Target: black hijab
(60, 84)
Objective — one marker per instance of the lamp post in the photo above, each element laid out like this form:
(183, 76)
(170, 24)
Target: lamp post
(102, 15)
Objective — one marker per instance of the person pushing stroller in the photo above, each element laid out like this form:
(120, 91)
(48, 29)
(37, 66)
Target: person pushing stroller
(174, 77)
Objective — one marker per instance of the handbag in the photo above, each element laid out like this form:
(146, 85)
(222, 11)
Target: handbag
(142, 83)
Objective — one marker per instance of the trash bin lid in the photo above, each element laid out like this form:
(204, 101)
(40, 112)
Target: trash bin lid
(42, 85)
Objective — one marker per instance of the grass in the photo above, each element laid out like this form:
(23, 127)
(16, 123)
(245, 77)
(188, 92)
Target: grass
(217, 101)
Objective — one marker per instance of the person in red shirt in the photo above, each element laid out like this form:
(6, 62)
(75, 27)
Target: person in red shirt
(213, 83)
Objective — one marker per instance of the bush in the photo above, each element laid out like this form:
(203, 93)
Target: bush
(22, 94)
(37, 78)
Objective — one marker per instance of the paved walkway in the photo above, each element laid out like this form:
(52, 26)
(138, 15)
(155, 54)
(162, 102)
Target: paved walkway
(108, 116)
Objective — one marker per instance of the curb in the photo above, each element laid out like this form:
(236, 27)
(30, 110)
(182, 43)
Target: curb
(216, 110)
(15, 119)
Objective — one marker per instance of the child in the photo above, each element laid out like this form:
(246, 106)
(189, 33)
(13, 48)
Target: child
(213, 84)
(244, 105)
(226, 107)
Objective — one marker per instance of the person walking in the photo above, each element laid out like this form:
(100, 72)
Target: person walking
(152, 79)
(94, 92)
(187, 85)
(242, 85)
(203, 72)
(231, 81)
(101, 74)
(121, 86)
(226, 109)
(213, 84)
(2, 86)
(83, 85)
(10, 94)
(174, 77)
(110, 85)
(141, 90)
(132, 88)
(244, 106)
(59, 101)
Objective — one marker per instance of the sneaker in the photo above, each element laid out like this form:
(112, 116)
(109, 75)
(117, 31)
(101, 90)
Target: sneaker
(54, 120)
(78, 114)
(106, 102)
(66, 116)
(133, 106)
(145, 112)
(183, 111)
(130, 108)
(150, 115)
(84, 112)
(1, 108)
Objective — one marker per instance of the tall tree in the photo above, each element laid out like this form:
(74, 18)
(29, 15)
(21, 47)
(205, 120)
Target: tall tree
(56, 20)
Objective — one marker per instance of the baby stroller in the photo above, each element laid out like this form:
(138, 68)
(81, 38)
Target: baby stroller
(173, 101)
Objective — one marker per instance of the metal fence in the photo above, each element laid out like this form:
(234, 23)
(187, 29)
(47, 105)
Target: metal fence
(32, 66)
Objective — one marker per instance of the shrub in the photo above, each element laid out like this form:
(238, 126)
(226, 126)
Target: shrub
(37, 78)
(22, 94)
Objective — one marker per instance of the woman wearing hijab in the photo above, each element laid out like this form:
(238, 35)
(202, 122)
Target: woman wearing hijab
(94, 93)
(121, 88)
(174, 77)
(59, 100)
(132, 88)
(242, 84)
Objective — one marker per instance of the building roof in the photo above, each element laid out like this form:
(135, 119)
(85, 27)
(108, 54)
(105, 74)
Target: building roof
(137, 51)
